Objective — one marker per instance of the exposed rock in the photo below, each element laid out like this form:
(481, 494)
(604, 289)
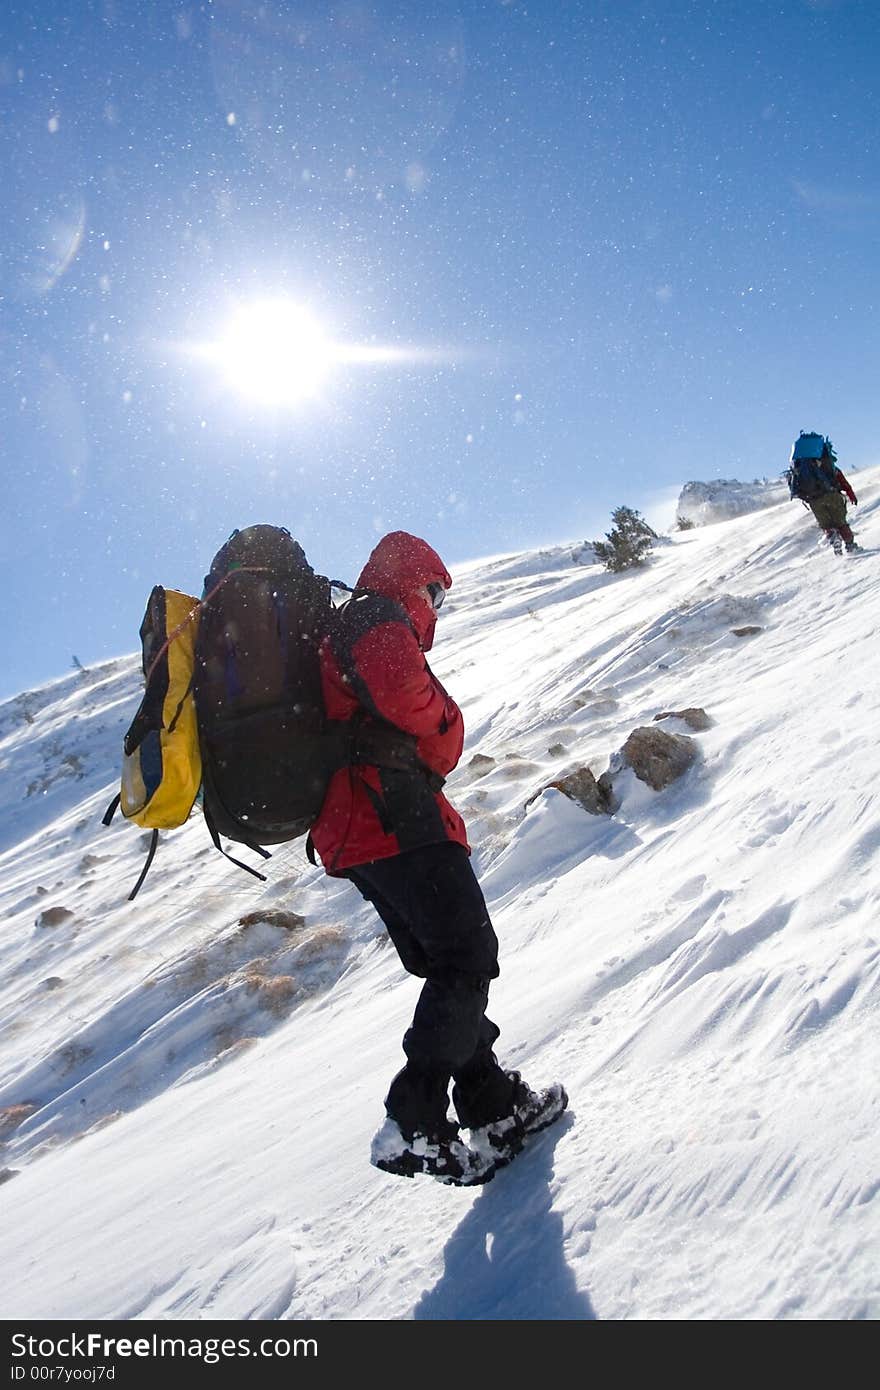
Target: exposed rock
(694, 717)
(54, 916)
(273, 917)
(480, 764)
(746, 631)
(7, 1173)
(557, 750)
(606, 786)
(658, 758)
(582, 787)
(722, 498)
(11, 1116)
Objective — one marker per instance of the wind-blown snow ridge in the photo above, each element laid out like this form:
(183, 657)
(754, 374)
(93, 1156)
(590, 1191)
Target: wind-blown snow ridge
(189, 1083)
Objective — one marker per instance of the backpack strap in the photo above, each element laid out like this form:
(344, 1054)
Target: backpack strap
(363, 611)
(154, 840)
(215, 836)
(371, 738)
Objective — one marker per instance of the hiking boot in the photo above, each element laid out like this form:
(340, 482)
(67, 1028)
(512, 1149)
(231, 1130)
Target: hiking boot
(851, 546)
(532, 1111)
(442, 1155)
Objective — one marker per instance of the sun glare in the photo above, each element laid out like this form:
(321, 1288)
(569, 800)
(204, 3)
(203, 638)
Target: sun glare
(275, 352)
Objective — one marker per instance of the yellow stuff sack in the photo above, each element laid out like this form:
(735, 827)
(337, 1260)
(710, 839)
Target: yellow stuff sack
(161, 765)
(162, 762)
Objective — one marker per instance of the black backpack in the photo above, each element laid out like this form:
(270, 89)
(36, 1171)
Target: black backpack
(268, 752)
(810, 478)
(268, 749)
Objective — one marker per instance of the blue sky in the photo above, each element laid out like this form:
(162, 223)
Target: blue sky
(597, 249)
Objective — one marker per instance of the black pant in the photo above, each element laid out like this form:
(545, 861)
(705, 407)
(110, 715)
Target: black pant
(435, 913)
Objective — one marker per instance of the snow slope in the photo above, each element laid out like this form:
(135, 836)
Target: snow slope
(189, 1083)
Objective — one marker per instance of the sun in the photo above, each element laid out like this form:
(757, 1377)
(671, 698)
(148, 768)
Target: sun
(274, 351)
(277, 354)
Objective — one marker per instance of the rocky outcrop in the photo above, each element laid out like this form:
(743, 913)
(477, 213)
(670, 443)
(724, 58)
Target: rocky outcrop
(658, 758)
(581, 786)
(702, 504)
(694, 717)
(273, 917)
(54, 916)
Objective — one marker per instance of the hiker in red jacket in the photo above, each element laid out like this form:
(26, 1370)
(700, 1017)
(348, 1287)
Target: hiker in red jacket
(392, 832)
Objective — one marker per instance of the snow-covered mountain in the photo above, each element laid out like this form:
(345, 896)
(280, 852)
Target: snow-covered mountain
(702, 504)
(189, 1083)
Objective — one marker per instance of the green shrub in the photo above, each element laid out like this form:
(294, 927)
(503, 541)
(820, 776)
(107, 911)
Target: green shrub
(627, 544)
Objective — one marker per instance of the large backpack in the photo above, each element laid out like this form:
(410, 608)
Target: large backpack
(808, 445)
(811, 473)
(267, 750)
(233, 705)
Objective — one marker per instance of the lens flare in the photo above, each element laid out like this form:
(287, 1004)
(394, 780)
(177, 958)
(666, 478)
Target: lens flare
(274, 352)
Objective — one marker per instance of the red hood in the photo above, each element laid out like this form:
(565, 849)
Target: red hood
(399, 565)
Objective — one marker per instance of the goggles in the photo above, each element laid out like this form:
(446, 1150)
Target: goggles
(436, 594)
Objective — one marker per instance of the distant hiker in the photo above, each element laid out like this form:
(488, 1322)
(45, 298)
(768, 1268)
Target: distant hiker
(392, 832)
(815, 480)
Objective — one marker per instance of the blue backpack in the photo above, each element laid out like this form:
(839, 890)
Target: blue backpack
(811, 473)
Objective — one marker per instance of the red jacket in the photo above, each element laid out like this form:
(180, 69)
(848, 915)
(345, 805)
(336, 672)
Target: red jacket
(374, 672)
(843, 486)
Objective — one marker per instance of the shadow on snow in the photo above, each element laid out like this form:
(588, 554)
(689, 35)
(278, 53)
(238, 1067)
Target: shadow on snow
(506, 1261)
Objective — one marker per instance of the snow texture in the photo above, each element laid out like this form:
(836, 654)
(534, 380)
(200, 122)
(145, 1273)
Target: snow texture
(189, 1083)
